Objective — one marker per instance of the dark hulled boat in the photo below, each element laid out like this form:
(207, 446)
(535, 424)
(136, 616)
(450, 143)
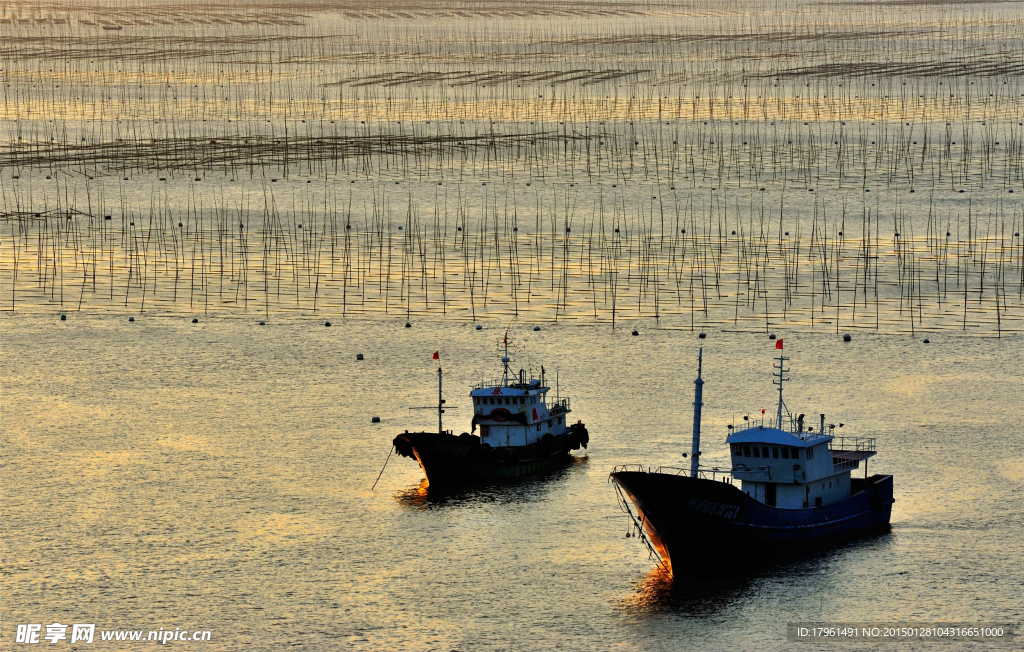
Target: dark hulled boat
(794, 491)
(520, 434)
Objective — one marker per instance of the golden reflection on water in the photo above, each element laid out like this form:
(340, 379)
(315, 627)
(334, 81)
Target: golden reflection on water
(659, 590)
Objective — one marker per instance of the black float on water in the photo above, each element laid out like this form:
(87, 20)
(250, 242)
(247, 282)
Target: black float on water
(635, 332)
(847, 337)
(195, 320)
(263, 323)
(375, 420)
(63, 317)
(536, 328)
(327, 324)
(772, 336)
(927, 341)
(479, 327)
(408, 325)
(702, 335)
(131, 319)
(359, 356)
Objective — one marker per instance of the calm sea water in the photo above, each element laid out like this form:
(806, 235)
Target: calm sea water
(218, 476)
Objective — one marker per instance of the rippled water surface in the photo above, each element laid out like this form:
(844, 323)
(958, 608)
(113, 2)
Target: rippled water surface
(217, 475)
(807, 168)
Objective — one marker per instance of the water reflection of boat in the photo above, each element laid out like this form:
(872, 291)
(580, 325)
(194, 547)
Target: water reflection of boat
(520, 434)
(722, 587)
(520, 490)
(795, 492)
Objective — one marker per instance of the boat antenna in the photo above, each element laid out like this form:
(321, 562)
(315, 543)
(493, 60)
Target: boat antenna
(697, 403)
(780, 374)
(505, 358)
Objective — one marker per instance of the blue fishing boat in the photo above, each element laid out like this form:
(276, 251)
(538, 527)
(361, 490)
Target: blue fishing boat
(789, 487)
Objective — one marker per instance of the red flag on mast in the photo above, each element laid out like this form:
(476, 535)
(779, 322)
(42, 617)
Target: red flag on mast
(436, 356)
(778, 344)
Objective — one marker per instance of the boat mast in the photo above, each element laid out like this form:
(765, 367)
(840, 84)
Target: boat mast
(697, 403)
(782, 360)
(440, 402)
(505, 359)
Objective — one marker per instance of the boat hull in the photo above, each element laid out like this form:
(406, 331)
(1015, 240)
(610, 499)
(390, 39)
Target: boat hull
(694, 521)
(448, 460)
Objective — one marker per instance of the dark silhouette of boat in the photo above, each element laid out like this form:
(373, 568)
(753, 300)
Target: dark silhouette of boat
(795, 491)
(520, 434)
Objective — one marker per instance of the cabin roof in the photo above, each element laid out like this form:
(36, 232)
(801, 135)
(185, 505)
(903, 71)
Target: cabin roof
(762, 435)
(501, 390)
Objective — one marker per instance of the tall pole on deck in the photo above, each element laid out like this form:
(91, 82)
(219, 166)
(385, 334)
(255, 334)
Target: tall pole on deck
(781, 375)
(440, 403)
(697, 403)
(505, 359)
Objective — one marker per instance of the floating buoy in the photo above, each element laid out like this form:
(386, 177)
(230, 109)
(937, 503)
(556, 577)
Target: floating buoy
(927, 341)
(408, 325)
(359, 356)
(847, 337)
(263, 323)
(375, 420)
(195, 320)
(635, 332)
(536, 328)
(63, 317)
(479, 327)
(702, 335)
(327, 324)
(772, 336)
(131, 319)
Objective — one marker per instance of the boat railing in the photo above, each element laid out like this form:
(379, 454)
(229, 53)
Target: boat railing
(866, 444)
(561, 407)
(711, 473)
(845, 465)
(806, 435)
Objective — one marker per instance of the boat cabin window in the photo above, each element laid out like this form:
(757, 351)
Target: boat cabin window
(810, 453)
(764, 451)
(746, 451)
(538, 427)
(737, 449)
(775, 452)
(785, 452)
(794, 453)
(559, 420)
(757, 452)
